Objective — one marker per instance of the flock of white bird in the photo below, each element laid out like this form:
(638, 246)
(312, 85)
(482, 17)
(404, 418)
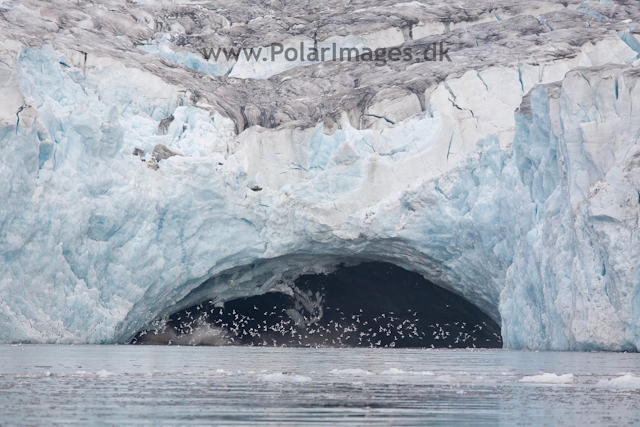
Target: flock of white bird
(275, 327)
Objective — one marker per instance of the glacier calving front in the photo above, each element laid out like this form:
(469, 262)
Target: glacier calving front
(516, 188)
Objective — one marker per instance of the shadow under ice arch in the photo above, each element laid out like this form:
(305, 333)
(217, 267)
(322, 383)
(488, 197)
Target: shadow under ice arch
(314, 300)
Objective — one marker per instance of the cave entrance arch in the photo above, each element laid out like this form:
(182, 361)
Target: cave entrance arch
(371, 304)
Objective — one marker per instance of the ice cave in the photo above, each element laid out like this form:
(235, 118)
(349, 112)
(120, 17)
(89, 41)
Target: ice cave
(362, 305)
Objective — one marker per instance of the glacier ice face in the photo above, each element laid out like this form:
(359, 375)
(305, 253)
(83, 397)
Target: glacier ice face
(508, 176)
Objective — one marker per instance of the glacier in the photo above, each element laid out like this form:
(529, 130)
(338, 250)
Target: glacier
(509, 176)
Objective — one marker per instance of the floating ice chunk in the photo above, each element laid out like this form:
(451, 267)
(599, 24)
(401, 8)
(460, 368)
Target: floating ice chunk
(393, 371)
(285, 378)
(354, 371)
(548, 378)
(445, 379)
(100, 374)
(104, 373)
(625, 382)
(396, 371)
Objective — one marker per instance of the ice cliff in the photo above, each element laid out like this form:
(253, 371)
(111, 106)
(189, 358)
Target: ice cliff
(137, 178)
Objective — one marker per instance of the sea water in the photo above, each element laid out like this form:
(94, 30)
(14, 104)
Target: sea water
(170, 385)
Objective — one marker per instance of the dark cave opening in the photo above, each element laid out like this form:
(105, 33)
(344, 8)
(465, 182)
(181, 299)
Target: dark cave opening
(368, 305)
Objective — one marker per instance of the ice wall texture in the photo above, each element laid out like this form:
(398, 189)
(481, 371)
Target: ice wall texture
(508, 176)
